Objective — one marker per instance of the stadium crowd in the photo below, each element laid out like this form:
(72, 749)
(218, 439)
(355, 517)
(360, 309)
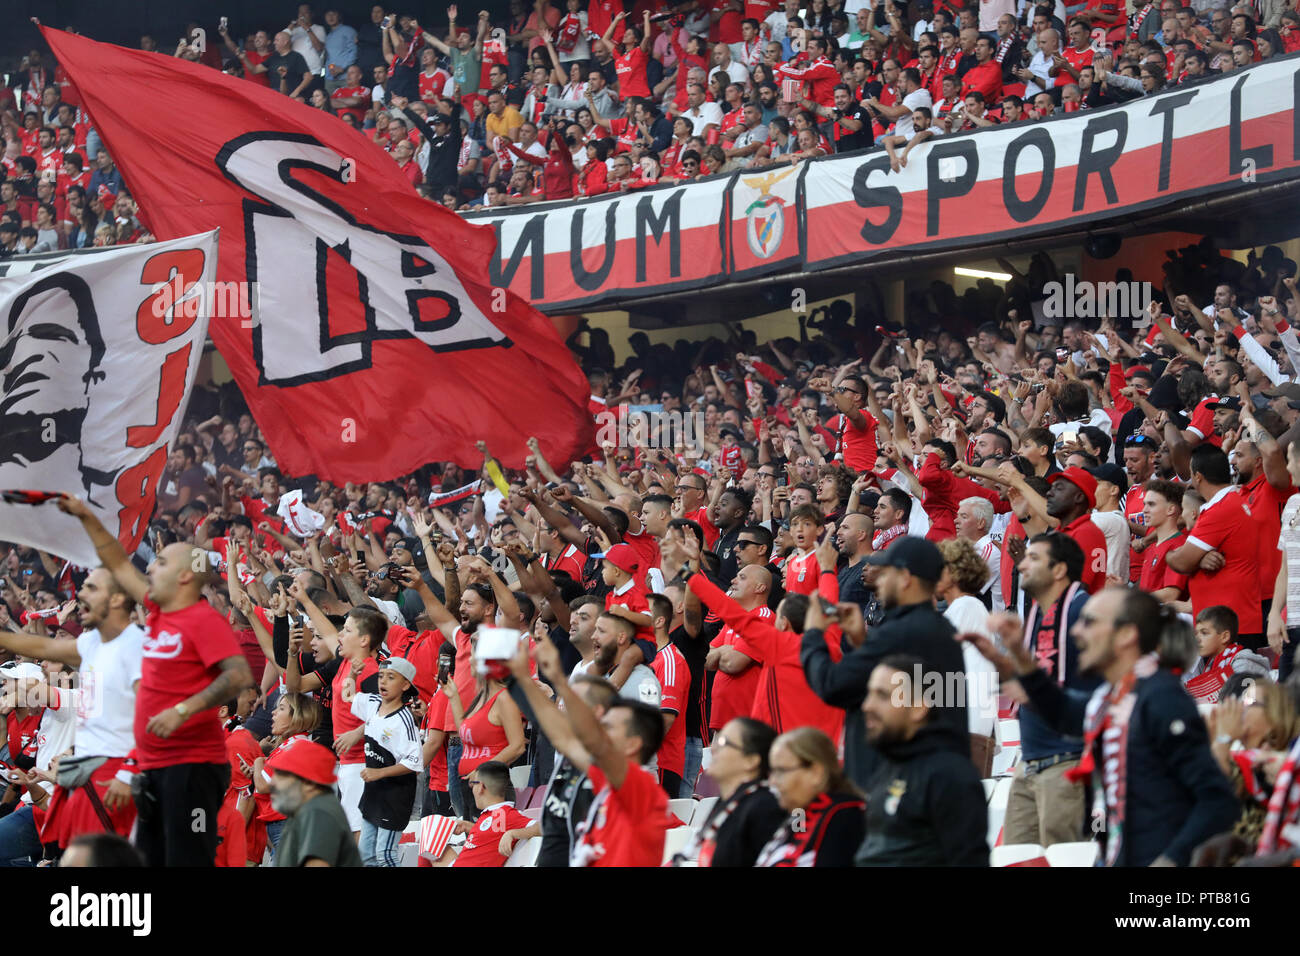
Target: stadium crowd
(881, 542)
(887, 537)
(558, 103)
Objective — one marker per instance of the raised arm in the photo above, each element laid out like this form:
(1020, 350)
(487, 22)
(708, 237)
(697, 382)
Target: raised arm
(109, 549)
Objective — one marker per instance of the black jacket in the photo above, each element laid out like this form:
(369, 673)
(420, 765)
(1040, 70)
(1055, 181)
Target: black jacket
(925, 807)
(1176, 795)
(442, 167)
(918, 630)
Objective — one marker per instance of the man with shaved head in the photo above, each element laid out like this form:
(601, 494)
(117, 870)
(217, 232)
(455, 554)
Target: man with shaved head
(853, 540)
(190, 665)
(782, 698)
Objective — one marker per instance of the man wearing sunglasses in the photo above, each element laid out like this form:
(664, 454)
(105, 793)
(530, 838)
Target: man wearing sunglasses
(856, 428)
(1139, 465)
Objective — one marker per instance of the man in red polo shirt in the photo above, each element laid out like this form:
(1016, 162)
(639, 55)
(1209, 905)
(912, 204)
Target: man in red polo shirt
(1222, 550)
(1070, 500)
(498, 818)
(1078, 54)
(628, 817)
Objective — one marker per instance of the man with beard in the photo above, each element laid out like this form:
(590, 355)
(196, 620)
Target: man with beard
(316, 832)
(909, 571)
(1070, 500)
(925, 805)
(107, 655)
(191, 665)
(1043, 807)
(38, 357)
(1265, 484)
(1145, 749)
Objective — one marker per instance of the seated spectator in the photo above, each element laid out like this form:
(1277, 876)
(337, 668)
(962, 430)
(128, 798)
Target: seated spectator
(747, 813)
(827, 818)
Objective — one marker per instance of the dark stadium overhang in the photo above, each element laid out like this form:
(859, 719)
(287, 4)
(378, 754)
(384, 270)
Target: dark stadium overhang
(1268, 214)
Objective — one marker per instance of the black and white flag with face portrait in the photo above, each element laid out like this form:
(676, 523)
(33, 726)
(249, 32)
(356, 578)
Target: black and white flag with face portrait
(98, 353)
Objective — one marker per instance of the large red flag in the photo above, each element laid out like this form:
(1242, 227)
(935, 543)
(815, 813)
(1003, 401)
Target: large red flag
(375, 343)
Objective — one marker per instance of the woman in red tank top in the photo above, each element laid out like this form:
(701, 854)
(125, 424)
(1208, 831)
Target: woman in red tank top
(493, 729)
(295, 715)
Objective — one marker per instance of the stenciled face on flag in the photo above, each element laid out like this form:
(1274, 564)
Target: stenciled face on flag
(97, 356)
(366, 336)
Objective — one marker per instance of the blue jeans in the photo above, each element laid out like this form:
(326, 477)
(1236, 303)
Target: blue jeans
(378, 846)
(273, 830)
(19, 841)
(694, 754)
(453, 764)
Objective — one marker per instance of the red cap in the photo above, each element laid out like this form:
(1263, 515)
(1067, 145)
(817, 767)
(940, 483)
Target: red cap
(304, 758)
(1081, 480)
(1137, 370)
(622, 557)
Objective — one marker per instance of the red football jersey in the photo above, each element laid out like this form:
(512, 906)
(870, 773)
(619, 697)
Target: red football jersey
(675, 685)
(624, 827)
(180, 657)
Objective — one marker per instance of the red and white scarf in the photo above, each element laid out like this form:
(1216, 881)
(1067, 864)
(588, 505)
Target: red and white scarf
(1003, 47)
(1135, 20)
(1283, 815)
(1106, 725)
(1061, 625)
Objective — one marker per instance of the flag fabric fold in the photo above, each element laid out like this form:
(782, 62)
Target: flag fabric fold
(357, 318)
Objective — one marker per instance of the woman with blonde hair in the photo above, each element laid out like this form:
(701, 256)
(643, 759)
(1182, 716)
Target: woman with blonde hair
(827, 821)
(1265, 722)
(964, 576)
(294, 716)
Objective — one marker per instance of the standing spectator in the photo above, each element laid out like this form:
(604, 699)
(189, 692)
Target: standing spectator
(308, 40)
(1070, 500)
(191, 666)
(925, 805)
(1044, 806)
(340, 51)
(1222, 551)
(827, 818)
(1158, 791)
(964, 576)
(286, 70)
(318, 832)
(628, 816)
(746, 813)
(909, 571)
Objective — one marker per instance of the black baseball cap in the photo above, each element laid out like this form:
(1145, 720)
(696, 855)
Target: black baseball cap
(1109, 471)
(914, 555)
(1232, 402)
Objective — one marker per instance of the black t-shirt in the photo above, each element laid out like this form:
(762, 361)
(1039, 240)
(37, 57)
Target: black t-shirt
(567, 800)
(387, 802)
(846, 141)
(324, 734)
(295, 66)
(695, 650)
(729, 561)
(569, 656)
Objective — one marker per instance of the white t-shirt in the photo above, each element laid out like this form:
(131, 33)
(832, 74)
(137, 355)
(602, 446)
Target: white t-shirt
(54, 734)
(105, 705)
(390, 611)
(302, 45)
(969, 614)
(709, 113)
(1115, 527)
(735, 71)
(903, 126)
